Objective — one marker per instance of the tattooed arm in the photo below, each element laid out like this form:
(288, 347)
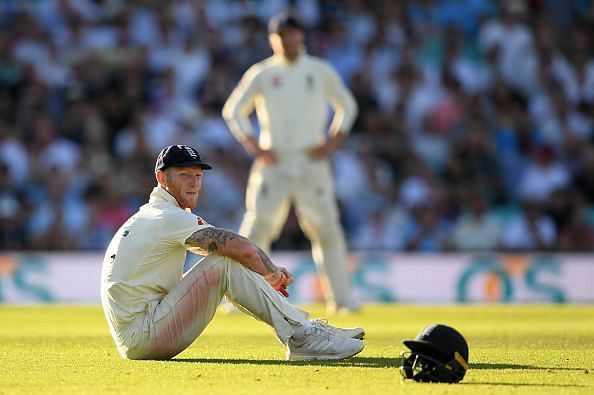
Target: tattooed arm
(236, 247)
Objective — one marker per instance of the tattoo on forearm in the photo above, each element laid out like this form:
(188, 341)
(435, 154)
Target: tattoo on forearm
(215, 239)
(266, 261)
(211, 239)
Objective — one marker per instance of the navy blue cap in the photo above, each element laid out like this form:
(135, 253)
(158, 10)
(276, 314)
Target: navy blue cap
(283, 21)
(179, 156)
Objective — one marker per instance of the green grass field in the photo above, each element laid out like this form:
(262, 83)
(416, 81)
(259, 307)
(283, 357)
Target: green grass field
(513, 350)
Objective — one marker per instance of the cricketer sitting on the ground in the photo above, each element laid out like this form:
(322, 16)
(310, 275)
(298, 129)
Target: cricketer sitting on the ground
(290, 92)
(154, 311)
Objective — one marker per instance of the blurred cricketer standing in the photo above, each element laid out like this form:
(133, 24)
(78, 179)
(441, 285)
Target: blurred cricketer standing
(154, 311)
(290, 93)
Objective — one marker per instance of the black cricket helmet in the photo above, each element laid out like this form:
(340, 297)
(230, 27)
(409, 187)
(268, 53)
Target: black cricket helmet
(439, 354)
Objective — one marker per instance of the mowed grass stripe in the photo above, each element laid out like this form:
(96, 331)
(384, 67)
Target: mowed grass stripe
(513, 350)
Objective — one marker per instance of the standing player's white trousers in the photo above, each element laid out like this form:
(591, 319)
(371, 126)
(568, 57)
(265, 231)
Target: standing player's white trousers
(296, 179)
(170, 325)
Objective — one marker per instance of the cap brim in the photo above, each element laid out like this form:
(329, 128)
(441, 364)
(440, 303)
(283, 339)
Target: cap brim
(203, 166)
(423, 347)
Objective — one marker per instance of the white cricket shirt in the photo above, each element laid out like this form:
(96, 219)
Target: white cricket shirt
(145, 258)
(291, 102)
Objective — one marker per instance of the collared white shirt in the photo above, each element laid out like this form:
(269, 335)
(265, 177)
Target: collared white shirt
(145, 258)
(291, 101)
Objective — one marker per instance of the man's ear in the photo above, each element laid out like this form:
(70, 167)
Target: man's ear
(161, 178)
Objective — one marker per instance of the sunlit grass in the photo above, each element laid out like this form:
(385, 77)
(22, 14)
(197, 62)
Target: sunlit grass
(513, 350)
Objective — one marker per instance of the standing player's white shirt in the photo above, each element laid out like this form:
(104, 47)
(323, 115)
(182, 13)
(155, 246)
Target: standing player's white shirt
(145, 259)
(291, 102)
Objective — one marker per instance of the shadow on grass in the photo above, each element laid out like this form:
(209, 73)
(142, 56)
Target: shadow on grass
(365, 362)
(522, 384)
(515, 366)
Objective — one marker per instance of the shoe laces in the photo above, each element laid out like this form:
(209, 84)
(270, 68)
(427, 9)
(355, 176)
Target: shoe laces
(322, 323)
(321, 331)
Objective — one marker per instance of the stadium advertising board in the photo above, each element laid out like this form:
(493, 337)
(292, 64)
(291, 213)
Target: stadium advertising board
(377, 277)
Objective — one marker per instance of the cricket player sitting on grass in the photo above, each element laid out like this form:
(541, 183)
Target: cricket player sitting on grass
(154, 311)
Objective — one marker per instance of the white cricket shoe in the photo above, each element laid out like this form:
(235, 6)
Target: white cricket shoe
(322, 344)
(354, 333)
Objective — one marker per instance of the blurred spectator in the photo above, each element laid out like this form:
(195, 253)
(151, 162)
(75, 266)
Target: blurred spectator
(577, 234)
(13, 155)
(514, 136)
(431, 147)
(381, 231)
(59, 215)
(425, 230)
(473, 162)
(543, 175)
(50, 150)
(447, 116)
(96, 233)
(344, 54)
(512, 36)
(560, 207)
(476, 229)
(530, 229)
(584, 177)
(416, 188)
(12, 231)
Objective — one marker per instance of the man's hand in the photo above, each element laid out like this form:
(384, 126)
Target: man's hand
(288, 281)
(280, 280)
(326, 149)
(265, 157)
(320, 152)
(288, 275)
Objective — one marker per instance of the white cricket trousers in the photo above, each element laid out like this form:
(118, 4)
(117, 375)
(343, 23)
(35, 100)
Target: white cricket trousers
(170, 325)
(296, 179)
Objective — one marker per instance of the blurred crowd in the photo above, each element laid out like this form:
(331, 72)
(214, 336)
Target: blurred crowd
(475, 129)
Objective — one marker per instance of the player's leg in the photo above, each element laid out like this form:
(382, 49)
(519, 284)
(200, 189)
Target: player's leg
(318, 216)
(305, 340)
(267, 205)
(254, 296)
(174, 322)
(177, 320)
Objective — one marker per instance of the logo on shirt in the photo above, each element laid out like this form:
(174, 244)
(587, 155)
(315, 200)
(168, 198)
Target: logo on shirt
(201, 221)
(276, 80)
